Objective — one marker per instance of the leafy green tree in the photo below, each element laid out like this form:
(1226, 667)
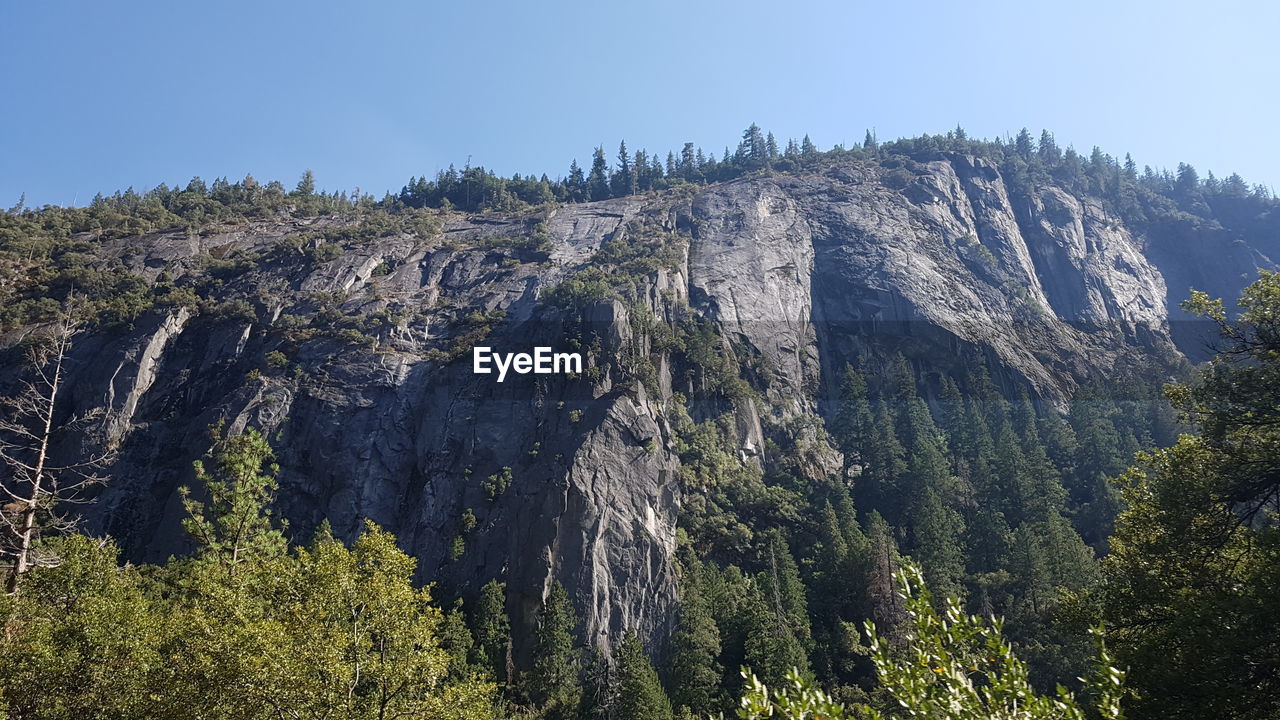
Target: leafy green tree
(81, 640)
(1190, 592)
(950, 664)
(944, 666)
(352, 634)
(640, 694)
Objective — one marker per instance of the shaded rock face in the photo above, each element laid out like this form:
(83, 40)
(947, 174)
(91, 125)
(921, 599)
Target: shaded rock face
(575, 479)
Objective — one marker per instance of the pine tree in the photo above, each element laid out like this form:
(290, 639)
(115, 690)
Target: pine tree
(752, 151)
(885, 606)
(695, 649)
(1048, 150)
(306, 186)
(784, 591)
(771, 647)
(553, 683)
(936, 532)
(837, 593)
(457, 642)
(1024, 145)
(852, 426)
(576, 183)
(881, 484)
(492, 630)
(622, 183)
(640, 695)
(236, 526)
(598, 179)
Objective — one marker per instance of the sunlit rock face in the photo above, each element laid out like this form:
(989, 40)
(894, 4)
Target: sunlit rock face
(576, 479)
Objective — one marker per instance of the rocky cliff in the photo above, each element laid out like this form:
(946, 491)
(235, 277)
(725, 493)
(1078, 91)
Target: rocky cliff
(351, 350)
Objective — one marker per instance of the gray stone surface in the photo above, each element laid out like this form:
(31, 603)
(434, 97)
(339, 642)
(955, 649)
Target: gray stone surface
(800, 272)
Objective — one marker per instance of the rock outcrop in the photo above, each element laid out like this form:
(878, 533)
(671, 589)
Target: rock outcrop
(358, 367)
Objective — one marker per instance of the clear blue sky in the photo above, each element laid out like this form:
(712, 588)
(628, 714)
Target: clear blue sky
(100, 96)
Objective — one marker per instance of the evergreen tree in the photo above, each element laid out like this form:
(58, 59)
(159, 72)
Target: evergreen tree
(753, 151)
(695, 649)
(770, 644)
(306, 186)
(576, 183)
(640, 695)
(622, 183)
(936, 532)
(881, 484)
(1048, 150)
(553, 684)
(784, 591)
(1190, 595)
(236, 527)
(598, 179)
(852, 426)
(492, 630)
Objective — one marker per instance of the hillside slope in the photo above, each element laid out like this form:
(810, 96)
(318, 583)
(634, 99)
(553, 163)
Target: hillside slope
(348, 339)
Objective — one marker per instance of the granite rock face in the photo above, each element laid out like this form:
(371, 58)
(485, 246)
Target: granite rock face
(575, 478)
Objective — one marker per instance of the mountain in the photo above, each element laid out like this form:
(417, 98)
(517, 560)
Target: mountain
(346, 336)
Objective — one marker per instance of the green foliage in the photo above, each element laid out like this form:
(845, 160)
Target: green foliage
(324, 252)
(553, 684)
(797, 699)
(496, 484)
(1190, 584)
(492, 629)
(236, 526)
(640, 695)
(950, 664)
(324, 631)
(695, 669)
(585, 287)
(467, 522)
(277, 360)
(82, 640)
(943, 666)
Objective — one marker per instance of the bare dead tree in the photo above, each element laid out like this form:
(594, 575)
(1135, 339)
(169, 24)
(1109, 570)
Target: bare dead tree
(36, 492)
